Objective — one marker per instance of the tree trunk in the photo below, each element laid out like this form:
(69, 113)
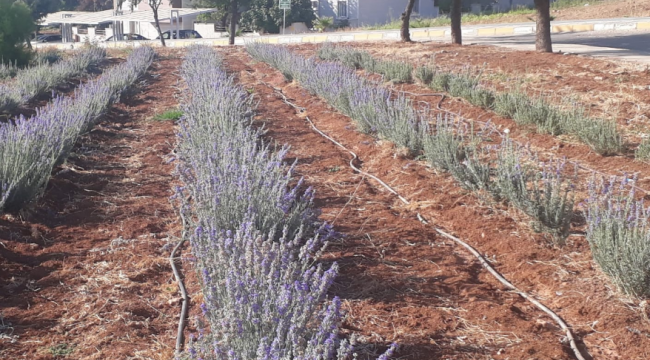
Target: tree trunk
(456, 34)
(543, 36)
(160, 35)
(234, 18)
(406, 19)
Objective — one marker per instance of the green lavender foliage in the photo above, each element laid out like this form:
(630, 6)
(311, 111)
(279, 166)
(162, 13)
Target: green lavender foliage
(542, 193)
(507, 103)
(445, 148)
(601, 135)
(619, 233)
(424, 74)
(643, 151)
(545, 195)
(396, 71)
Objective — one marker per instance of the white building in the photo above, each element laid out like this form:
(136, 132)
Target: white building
(376, 12)
(80, 26)
(370, 12)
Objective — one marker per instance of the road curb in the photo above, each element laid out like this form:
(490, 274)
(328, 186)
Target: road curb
(417, 34)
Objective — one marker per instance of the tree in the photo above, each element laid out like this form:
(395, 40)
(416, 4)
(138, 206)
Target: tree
(40, 8)
(455, 15)
(266, 15)
(154, 5)
(234, 19)
(543, 36)
(234, 9)
(16, 26)
(406, 19)
(93, 5)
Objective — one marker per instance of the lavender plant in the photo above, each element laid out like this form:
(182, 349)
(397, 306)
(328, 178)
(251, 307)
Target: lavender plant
(49, 56)
(396, 71)
(538, 112)
(449, 147)
(30, 148)
(600, 134)
(443, 147)
(507, 103)
(41, 78)
(265, 299)
(375, 110)
(440, 81)
(643, 151)
(257, 238)
(8, 70)
(425, 74)
(619, 234)
(545, 195)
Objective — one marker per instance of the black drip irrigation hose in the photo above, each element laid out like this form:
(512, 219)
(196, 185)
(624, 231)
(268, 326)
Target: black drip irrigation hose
(472, 250)
(177, 275)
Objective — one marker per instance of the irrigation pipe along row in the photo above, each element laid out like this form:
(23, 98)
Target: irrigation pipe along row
(181, 322)
(468, 247)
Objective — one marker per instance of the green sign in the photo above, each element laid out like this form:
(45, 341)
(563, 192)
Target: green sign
(285, 4)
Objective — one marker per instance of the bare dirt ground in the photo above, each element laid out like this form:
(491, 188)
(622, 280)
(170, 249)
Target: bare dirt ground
(84, 273)
(401, 282)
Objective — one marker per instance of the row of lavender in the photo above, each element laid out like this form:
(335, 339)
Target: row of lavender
(617, 227)
(39, 79)
(601, 135)
(41, 58)
(256, 237)
(445, 143)
(30, 148)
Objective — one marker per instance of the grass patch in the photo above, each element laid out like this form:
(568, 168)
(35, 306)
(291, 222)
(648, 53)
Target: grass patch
(171, 114)
(61, 350)
(484, 17)
(643, 151)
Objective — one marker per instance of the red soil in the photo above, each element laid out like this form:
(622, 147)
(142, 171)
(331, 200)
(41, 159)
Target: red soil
(401, 282)
(84, 271)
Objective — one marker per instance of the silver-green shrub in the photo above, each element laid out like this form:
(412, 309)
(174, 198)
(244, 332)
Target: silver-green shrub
(643, 151)
(397, 71)
(539, 113)
(619, 234)
(31, 148)
(448, 146)
(546, 196)
(256, 237)
(600, 134)
(8, 70)
(39, 79)
(507, 103)
(424, 74)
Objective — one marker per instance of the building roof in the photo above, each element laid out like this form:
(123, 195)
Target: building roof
(54, 18)
(164, 15)
(107, 16)
(79, 17)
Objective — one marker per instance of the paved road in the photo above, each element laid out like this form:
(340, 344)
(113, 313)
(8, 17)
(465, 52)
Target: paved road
(630, 45)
